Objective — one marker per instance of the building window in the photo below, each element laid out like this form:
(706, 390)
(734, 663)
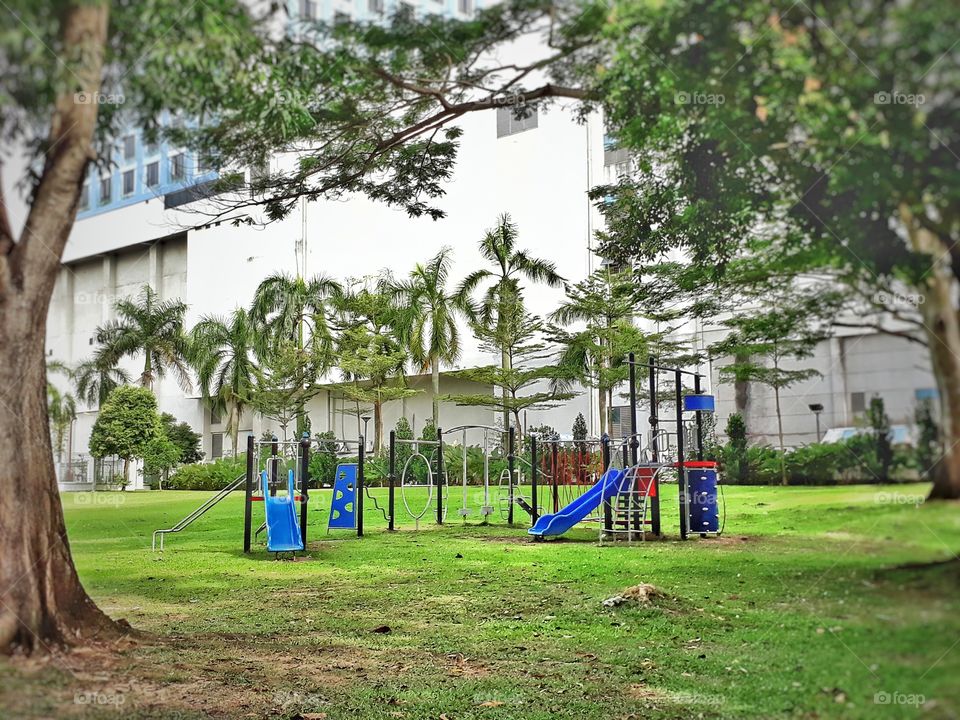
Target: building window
(340, 18)
(466, 7)
(105, 190)
(259, 176)
(177, 167)
(922, 394)
(85, 196)
(129, 147)
(153, 174)
(308, 10)
(151, 148)
(216, 450)
(128, 182)
(215, 418)
(512, 120)
(858, 402)
(375, 6)
(612, 154)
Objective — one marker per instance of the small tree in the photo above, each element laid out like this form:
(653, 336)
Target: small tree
(284, 383)
(737, 447)
(929, 446)
(323, 460)
(62, 409)
(882, 436)
(126, 424)
(188, 442)
(160, 456)
(580, 432)
(403, 431)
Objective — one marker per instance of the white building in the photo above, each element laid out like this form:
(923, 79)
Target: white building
(136, 229)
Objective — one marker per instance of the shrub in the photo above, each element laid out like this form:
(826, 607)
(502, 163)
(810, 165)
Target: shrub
(323, 459)
(208, 476)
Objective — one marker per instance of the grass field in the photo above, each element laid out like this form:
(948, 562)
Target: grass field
(817, 602)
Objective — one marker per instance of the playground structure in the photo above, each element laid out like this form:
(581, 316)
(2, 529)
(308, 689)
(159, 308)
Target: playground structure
(616, 484)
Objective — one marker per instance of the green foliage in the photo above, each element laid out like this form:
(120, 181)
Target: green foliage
(735, 454)
(882, 436)
(126, 424)
(208, 476)
(62, 411)
(284, 382)
(403, 451)
(929, 444)
(323, 459)
(188, 442)
(579, 429)
(160, 456)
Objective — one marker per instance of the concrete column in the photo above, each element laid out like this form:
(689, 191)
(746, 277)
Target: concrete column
(108, 288)
(155, 269)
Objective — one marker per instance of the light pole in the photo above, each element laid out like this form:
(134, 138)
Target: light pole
(816, 409)
(366, 419)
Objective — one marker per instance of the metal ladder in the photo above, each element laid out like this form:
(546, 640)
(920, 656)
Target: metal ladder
(235, 485)
(629, 507)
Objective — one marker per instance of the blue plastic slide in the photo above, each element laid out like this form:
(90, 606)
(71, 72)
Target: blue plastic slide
(283, 530)
(605, 488)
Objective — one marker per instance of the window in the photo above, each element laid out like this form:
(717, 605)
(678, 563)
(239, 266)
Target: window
(512, 120)
(259, 175)
(128, 182)
(215, 418)
(375, 6)
(339, 18)
(465, 6)
(921, 394)
(129, 147)
(613, 155)
(153, 174)
(85, 196)
(105, 190)
(858, 402)
(216, 451)
(308, 9)
(620, 421)
(177, 167)
(151, 148)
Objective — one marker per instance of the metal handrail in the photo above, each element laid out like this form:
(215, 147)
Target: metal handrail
(185, 522)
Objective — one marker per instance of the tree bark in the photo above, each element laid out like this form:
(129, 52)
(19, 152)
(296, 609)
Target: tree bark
(942, 326)
(783, 464)
(377, 427)
(602, 400)
(42, 603)
(435, 378)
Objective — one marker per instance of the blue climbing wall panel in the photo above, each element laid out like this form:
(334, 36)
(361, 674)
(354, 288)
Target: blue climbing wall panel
(343, 514)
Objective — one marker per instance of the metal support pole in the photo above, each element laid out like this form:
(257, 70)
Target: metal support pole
(634, 441)
(304, 486)
(358, 505)
(248, 494)
(681, 470)
(654, 450)
(607, 504)
(534, 515)
(274, 466)
(555, 473)
(439, 476)
(392, 479)
(511, 439)
(699, 416)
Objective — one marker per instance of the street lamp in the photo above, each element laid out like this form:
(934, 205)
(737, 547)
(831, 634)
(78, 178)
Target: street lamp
(816, 409)
(366, 419)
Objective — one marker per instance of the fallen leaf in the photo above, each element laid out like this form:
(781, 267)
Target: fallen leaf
(490, 703)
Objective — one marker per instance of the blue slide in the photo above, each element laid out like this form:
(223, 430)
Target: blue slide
(283, 530)
(605, 488)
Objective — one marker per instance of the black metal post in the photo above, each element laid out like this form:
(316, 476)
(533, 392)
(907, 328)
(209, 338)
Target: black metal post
(248, 494)
(439, 476)
(681, 469)
(304, 486)
(555, 473)
(273, 466)
(634, 441)
(607, 505)
(358, 506)
(533, 481)
(511, 439)
(699, 416)
(654, 449)
(392, 478)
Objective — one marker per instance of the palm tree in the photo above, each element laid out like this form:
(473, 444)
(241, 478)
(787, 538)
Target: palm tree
(221, 351)
(503, 295)
(153, 327)
(428, 319)
(62, 409)
(96, 378)
(290, 308)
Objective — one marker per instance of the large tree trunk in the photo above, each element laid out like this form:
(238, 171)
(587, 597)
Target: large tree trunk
(377, 427)
(42, 603)
(435, 379)
(942, 324)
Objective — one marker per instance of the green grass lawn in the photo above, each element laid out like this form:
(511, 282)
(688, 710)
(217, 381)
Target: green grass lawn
(817, 602)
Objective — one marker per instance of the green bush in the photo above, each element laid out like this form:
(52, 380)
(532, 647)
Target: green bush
(208, 476)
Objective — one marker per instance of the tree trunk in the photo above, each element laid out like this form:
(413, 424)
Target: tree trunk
(42, 603)
(602, 399)
(377, 426)
(783, 464)
(942, 325)
(435, 378)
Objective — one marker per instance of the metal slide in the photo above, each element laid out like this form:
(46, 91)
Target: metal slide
(604, 489)
(283, 530)
(235, 485)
